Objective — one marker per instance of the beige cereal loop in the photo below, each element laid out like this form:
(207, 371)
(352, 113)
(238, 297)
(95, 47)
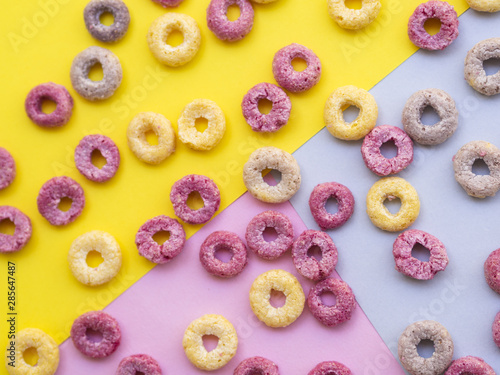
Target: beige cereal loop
(215, 325)
(162, 27)
(271, 158)
(260, 294)
(136, 136)
(353, 19)
(47, 350)
(485, 5)
(188, 134)
(362, 125)
(390, 188)
(105, 244)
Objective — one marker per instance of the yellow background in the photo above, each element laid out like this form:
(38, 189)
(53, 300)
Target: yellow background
(38, 41)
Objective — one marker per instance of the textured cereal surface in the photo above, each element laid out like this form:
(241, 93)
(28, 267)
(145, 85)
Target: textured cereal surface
(470, 365)
(222, 27)
(220, 240)
(59, 95)
(7, 168)
(256, 365)
(330, 368)
(353, 19)
(317, 203)
(104, 33)
(138, 363)
(474, 71)
(485, 5)
(108, 150)
(492, 270)
(22, 233)
(309, 266)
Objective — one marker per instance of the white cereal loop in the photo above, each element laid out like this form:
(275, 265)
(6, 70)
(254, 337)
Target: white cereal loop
(474, 71)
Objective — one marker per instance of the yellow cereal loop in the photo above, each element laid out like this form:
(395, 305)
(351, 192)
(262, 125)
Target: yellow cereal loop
(260, 294)
(353, 19)
(390, 188)
(341, 99)
(215, 325)
(158, 34)
(136, 137)
(188, 134)
(46, 348)
(485, 5)
(105, 244)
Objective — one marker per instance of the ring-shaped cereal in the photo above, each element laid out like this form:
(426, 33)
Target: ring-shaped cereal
(485, 5)
(474, 71)
(168, 250)
(138, 143)
(46, 348)
(413, 267)
(285, 74)
(443, 348)
(271, 158)
(51, 194)
(495, 329)
(345, 304)
(7, 168)
(350, 96)
(138, 363)
(169, 3)
(111, 68)
(443, 104)
(280, 110)
(186, 125)
(208, 191)
(162, 27)
(256, 365)
(106, 33)
(101, 322)
(389, 188)
(105, 244)
(260, 295)
(471, 366)
(222, 27)
(353, 19)
(108, 150)
(255, 234)
(492, 270)
(378, 163)
(22, 233)
(317, 203)
(430, 10)
(330, 367)
(309, 266)
(210, 324)
(223, 240)
(479, 186)
(53, 92)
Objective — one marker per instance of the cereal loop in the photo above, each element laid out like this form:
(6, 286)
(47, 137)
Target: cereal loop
(7, 168)
(469, 366)
(495, 329)
(492, 270)
(138, 363)
(103, 243)
(389, 188)
(22, 233)
(46, 348)
(106, 147)
(350, 96)
(317, 203)
(330, 368)
(223, 240)
(215, 325)
(474, 71)
(222, 27)
(256, 365)
(104, 33)
(56, 93)
(353, 19)
(162, 27)
(260, 295)
(188, 134)
(484, 5)
(136, 137)
(169, 3)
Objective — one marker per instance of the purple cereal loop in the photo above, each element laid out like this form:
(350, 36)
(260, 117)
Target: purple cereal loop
(256, 365)
(308, 266)
(22, 233)
(469, 365)
(150, 249)
(107, 148)
(106, 33)
(223, 240)
(97, 321)
(329, 368)
(495, 329)
(222, 27)
(492, 270)
(287, 77)
(138, 363)
(7, 168)
(317, 201)
(374, 159)
(50, 196)
(209, 193)
(255, 239)
(280, 111)
(169, 3)
(412, 267)
(449, 25)
(332, 315)
(51, 91)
